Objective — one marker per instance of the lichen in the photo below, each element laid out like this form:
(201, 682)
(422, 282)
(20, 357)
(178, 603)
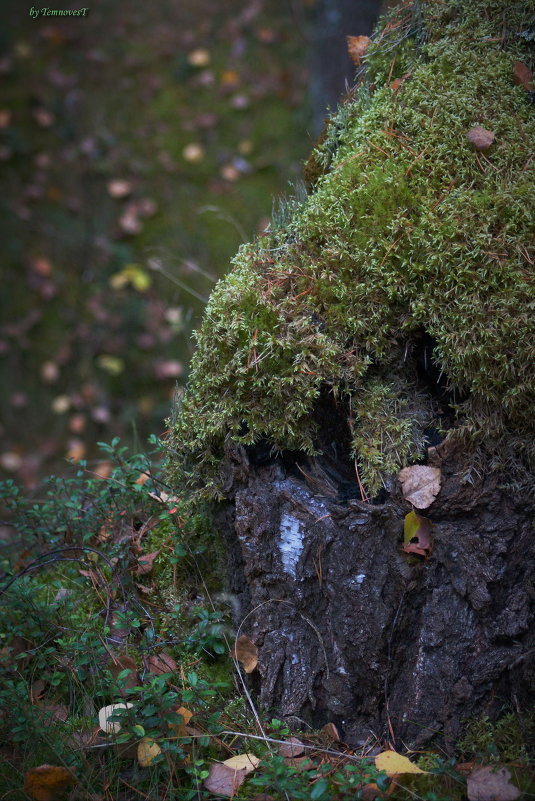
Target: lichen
(408, 230)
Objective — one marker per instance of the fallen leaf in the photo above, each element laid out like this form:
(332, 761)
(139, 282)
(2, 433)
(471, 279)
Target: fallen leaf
(291, 748)
(194, 153)
(420, 484)
(398, 82)
(357, 47)
(523, 76)
(37, 690)
(110, 726)
(162, 663)
(119, 188)
(417, 536)
(182, 729)
(332, 732)
(145, 563)
(246, 652)
(125, 663)
(129, 222)
(147, 751)
(48, 782)
(393, 763)
(480, 138)
(110, 364)
(491, 784)
(199, 57)
(246, 762)
(223, 781)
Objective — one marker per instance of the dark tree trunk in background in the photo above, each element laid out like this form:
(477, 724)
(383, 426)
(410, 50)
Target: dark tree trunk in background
(351, 630)
(331, 68)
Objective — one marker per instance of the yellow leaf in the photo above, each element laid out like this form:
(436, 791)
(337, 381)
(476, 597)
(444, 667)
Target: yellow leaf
(48, 782)
(147, 751)
(245, 762)
(393, 763)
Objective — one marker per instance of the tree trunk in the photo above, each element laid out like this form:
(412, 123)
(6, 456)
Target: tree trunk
(396, 301)
(351, 630)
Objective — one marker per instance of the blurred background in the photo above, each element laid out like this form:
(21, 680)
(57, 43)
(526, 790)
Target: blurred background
(139, 146)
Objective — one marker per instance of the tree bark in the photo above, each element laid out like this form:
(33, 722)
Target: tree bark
(352, 630)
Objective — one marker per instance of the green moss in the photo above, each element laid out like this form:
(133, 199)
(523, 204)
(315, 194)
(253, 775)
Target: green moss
(408, 230)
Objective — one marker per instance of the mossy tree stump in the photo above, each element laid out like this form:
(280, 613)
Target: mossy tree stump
(389, 311)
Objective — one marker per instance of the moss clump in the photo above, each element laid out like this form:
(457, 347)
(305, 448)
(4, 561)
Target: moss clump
(409, 230)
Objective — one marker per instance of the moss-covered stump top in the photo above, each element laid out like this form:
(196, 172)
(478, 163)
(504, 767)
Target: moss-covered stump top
(408, 228)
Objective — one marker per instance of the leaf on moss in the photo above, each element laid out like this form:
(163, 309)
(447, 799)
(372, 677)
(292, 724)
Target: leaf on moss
(420, 484)
(357, 47)
(491, 784)
(523, 76)
(48, 782)
(480, 137)
(393, 763)
(398, 82)
(145, 563)
(246, 652)
(417, 534)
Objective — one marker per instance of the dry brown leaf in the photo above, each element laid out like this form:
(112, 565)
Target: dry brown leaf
(523, 76)
(246, 652)
(48, 782)
(332, 732)
(162, 663)
(125, 663)
(37, 690)
(225, 780)
(480, 138)
(398, 82)
(145, 563)
(357, 47)
(291, 748)
(420, 484)
(491, 784)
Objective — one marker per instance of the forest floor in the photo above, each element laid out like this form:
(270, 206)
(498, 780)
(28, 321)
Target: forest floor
(139, 147)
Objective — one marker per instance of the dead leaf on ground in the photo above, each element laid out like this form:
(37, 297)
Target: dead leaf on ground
(293, 747)
(417, 534)
(246, 652)
(147, 751)
(118, 188)
(48, 782)
(37, 690)
(523, 76)
(393, 763)
(223, 780)
(125, 663)
(162, 663)
(145, 563)
(420, 484)
(491, 784)
(357, 47)
(332, 732)
(480, 137)
(398, 82)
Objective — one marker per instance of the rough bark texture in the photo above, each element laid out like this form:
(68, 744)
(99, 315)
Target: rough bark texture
(353, 631)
